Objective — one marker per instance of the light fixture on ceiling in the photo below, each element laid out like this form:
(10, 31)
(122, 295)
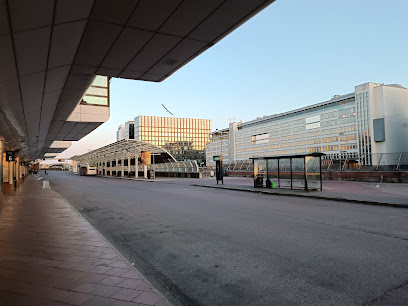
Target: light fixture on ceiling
(170, 62)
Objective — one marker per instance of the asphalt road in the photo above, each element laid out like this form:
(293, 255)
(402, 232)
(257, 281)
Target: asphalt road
(203, 246)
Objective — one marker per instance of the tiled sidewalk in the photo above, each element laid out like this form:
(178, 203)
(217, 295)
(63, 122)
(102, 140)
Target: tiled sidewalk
(50, 255)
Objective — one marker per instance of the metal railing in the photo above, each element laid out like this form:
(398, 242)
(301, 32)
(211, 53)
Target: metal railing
(380, 162)
(190, 166)
(173, 167)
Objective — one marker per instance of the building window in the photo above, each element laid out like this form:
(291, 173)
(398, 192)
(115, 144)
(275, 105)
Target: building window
(260, 138)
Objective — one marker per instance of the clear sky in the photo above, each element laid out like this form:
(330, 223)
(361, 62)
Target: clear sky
(292, 54)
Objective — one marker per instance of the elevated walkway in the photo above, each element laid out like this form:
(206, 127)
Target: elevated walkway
(50, 255)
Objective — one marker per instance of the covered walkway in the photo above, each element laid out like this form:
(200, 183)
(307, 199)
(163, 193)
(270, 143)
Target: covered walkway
(123, 158)
(50, 255)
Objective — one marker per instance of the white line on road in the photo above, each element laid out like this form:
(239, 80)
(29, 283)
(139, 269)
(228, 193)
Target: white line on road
(46, 185)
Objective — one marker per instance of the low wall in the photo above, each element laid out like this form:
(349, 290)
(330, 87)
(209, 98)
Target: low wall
(177, 174)
(240, 173)
(367, 176)
(157, 174)
(360, 176)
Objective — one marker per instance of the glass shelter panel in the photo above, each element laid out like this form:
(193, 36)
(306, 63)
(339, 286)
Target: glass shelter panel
(313, 173)
(284, 173)
(273, 173)
(298, 173)
(259, 172)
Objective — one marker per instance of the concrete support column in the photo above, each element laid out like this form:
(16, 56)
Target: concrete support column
(10, 172)
(129, 169)
(16, 174)
(136, 167)
(117, 167)
(122, 172)
(17, 167)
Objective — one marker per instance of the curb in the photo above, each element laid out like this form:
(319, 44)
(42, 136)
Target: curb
(337, 199)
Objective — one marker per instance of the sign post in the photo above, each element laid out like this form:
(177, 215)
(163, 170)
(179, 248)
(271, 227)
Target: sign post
(219, 172)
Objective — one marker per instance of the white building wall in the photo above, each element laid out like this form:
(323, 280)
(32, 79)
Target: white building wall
(218, 145)
(233, 128)
(137, 128)
(391, 103)
(128, 125)
(330, 130)
(120, 134)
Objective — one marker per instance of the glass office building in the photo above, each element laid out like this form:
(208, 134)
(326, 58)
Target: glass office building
(184, 137)
(363, 128)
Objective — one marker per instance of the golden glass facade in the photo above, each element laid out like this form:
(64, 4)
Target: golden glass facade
(165, 130)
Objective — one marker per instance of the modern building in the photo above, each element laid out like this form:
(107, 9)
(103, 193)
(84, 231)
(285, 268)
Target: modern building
(130, 130)
(126, 131)
(120, 133)
(184, 138)
(363, 128)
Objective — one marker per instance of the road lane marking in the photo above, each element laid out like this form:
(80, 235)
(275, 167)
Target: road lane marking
(46, 185)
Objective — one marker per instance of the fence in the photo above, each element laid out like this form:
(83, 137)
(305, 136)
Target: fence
(378, 162)
(180, 169)
(190, 166)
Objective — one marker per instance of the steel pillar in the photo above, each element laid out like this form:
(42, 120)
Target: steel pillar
(122, 172)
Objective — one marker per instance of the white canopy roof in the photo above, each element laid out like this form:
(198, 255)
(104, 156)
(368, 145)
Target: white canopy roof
(121, 149)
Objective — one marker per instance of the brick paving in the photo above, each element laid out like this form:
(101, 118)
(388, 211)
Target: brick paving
(50, 255)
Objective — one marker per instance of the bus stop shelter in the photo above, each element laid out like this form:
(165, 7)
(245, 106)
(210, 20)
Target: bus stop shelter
(297, 171)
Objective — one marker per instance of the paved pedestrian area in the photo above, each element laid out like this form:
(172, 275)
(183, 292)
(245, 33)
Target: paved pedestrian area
(387, 194)
(50, 255)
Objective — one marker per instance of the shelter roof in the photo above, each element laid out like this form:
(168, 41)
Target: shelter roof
(121, 149)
